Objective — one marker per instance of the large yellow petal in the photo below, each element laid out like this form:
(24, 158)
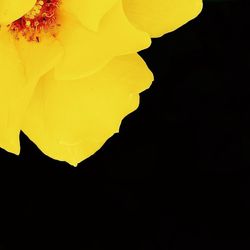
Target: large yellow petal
(71, 120)
(12, 83)
(11, 10)
(89, 12)
(39, 57)
(21, 63)
(87, 51)
(161, 16)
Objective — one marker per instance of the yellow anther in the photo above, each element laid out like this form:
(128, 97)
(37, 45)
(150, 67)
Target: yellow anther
(27, 23)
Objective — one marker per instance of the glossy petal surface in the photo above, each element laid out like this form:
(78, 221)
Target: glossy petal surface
(158, 17)
(11, 10)
(71, 120)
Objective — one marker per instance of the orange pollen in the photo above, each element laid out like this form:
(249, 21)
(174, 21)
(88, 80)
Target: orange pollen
(41, 18)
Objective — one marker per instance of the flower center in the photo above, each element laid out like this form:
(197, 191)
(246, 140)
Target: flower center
(41, 18)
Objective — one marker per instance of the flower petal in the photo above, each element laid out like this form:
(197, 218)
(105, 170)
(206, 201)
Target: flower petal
(39, 57)
(11, 10)
(21, 64)
(71, 120)
(87, 51)
(89, 12)
(12, 83)
(161, 16)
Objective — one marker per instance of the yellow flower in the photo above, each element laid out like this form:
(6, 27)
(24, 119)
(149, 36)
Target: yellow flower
(70, 71)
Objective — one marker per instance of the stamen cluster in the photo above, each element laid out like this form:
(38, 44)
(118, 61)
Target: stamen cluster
(41, 18)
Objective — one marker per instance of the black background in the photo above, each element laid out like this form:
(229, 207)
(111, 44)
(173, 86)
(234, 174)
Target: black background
(177, 175)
